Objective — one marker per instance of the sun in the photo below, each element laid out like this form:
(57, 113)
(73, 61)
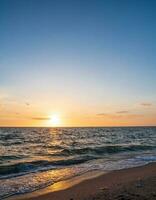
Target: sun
(55, 120)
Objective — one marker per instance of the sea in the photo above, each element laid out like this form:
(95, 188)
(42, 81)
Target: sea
(34, 158)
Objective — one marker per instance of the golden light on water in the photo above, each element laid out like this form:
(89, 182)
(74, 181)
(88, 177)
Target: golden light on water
(55, 120)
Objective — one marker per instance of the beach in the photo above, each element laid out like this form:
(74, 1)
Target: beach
(133, 183)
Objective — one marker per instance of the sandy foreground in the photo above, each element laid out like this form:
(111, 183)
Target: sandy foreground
(134, 183)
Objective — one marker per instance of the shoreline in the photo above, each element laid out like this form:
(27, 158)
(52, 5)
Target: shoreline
(97, 185)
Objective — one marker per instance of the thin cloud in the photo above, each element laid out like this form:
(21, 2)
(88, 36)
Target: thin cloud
(110, 114)
(40, 118)
(118, 116)
(146, 104)
(122, 112)
(127, 116)
(102, 114)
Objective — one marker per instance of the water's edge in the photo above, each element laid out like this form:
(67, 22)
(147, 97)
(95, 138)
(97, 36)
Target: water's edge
(61, 185)
(65, 184)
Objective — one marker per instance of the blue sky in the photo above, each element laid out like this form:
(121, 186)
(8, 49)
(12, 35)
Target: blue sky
(88, 53)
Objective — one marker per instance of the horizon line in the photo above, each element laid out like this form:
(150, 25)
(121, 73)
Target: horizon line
(78, 126)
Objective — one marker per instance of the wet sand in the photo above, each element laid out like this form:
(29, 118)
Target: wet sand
(134, 183)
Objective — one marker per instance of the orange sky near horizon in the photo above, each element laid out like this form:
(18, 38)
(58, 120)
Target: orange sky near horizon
(93, 121)
(16, 113)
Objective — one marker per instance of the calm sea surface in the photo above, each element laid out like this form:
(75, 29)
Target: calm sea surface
(33, 158)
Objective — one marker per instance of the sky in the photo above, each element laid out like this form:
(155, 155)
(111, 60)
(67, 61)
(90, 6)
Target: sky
(90, 63)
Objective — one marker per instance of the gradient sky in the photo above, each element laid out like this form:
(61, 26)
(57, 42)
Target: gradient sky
(91, 62)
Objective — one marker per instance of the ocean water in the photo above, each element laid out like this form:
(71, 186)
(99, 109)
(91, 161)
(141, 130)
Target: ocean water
(33, 158)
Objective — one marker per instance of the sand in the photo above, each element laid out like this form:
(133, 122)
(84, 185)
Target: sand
(134, 183)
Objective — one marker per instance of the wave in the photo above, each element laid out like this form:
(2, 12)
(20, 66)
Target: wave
(107, 149)
(41, 165)
(75, 156)
(10, 157)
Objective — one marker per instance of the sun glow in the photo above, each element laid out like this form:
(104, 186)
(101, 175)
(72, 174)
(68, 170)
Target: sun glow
(55, 120)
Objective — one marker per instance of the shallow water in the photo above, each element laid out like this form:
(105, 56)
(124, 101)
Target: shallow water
(33, 158)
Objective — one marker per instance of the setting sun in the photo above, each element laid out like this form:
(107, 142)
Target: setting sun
(55, 120)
